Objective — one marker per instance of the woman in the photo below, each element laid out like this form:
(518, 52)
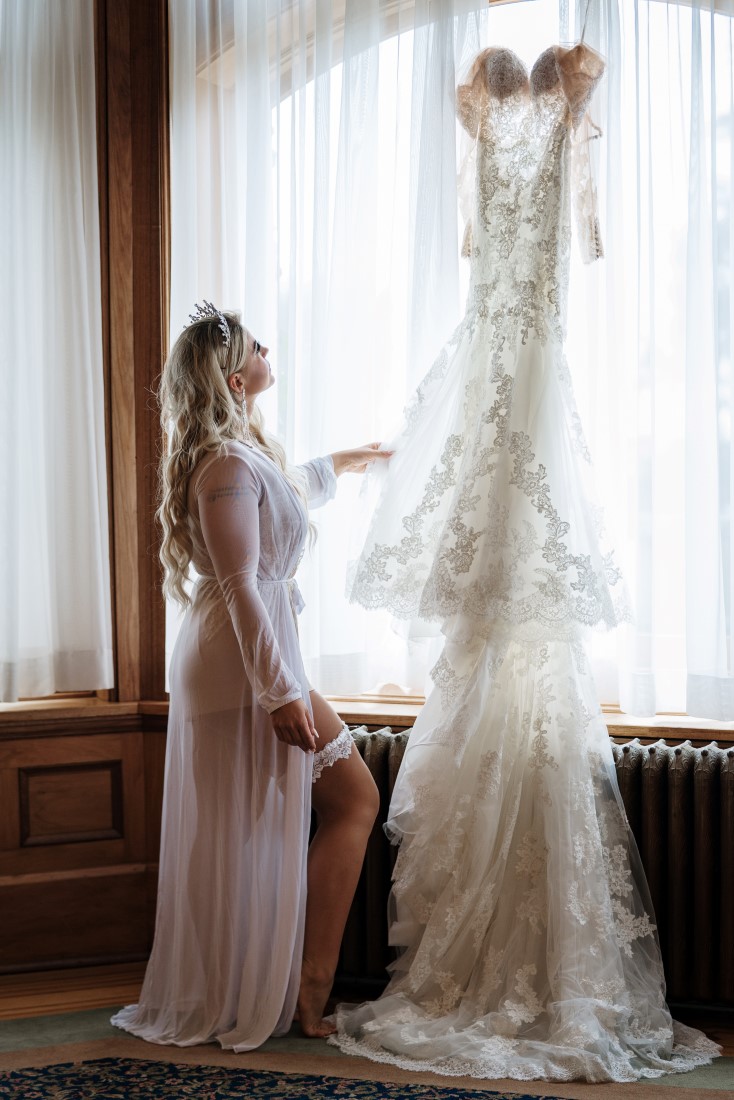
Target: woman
(238, 947)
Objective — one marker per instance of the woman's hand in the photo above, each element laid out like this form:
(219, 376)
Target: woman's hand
(357, 461)
(293, 725)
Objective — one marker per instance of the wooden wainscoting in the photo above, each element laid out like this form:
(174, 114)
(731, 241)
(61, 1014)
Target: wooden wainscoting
(80, 805)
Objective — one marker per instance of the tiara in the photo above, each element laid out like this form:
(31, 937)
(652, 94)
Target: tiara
(209, 310)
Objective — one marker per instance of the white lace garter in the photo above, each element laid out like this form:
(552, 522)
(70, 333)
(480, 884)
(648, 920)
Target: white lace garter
(338, 749)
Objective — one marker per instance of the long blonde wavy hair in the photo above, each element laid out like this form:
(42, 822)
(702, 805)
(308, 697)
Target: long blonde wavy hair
(199, 415)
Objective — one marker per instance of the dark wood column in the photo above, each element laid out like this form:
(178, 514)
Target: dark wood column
(132, 83)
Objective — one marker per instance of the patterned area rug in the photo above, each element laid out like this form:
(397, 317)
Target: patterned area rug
(135, 1079)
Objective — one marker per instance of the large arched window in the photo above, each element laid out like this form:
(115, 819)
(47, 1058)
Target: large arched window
(314, 162)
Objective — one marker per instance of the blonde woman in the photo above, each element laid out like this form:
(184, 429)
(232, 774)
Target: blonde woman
(240, 944)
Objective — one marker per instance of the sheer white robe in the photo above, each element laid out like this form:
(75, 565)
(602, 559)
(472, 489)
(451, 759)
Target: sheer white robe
(227, 953)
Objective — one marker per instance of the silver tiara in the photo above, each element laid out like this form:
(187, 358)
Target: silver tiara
(210, 310)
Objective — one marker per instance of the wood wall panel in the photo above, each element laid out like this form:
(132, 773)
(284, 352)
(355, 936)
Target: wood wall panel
(69, 800)
(74, 885)
(61, 858)
(70, 803)
(133, 142)
(47, 920)
(9, 812)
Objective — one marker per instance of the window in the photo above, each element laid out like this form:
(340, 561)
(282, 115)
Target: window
(314, 187)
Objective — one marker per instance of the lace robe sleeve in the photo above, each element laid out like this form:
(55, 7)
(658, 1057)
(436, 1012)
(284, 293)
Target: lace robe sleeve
(580, 69)
(228, 495)
(320, 480)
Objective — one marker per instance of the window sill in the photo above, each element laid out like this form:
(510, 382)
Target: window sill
(41, 710)
(669, 727)
(370, 712)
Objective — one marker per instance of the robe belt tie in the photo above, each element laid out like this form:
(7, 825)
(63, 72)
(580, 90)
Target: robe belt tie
(294, 594)
(206, 587)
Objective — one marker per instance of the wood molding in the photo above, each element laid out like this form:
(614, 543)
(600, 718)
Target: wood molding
(64, 720)
(132, 69)
(56, 717)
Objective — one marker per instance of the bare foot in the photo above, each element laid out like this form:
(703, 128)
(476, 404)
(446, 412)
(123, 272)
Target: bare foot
(312, 998)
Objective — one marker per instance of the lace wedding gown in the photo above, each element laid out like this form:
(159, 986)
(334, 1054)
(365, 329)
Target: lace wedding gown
(526, 933)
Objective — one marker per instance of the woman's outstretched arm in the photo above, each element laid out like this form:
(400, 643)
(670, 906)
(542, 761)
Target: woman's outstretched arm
(356, 461)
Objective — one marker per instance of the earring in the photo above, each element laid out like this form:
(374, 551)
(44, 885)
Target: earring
(245, 422)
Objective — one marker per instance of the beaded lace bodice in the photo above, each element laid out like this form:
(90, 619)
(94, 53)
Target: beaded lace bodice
(529, 164)
(486, 514)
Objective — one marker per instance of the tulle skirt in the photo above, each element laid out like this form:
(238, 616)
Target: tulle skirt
(519, 905)
(486, 513)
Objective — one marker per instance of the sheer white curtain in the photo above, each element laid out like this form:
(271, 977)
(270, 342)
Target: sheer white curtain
(55, 625)
(314, 168)
(302, 139)
(660, 310)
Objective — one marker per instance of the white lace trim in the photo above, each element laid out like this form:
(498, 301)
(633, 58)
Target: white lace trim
(504, 1058)
(338, 749)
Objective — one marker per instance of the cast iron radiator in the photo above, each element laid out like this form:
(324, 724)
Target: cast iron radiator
(680, 804)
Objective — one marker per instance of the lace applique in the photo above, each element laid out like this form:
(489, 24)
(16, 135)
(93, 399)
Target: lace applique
(540, 757)
(630, 927)
(617, 871)
(524, 545)
(481, 916)
(488, 775)
(578, 908)
(445, 679)
(491, 976)
(338, 749)
(528, 1007)
(586, 852)
(451, 994)
(532, 861)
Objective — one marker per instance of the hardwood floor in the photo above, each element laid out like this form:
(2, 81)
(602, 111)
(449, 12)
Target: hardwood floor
(52, 992)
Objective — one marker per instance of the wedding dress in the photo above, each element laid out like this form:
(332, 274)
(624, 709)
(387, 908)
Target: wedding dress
(526, 933)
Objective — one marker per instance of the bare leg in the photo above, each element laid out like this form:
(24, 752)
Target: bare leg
(346, 802)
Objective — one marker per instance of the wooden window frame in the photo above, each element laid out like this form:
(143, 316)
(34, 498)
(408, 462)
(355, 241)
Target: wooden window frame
(133, 162)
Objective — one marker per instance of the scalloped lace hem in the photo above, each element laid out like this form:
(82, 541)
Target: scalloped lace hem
(499, 1066)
